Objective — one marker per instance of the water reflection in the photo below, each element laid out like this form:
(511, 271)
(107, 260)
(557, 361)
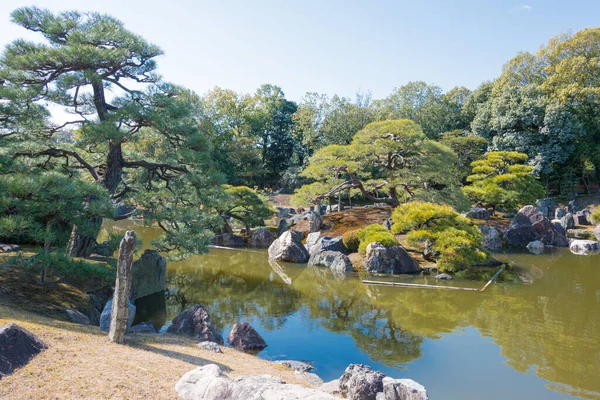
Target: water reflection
(547, 327)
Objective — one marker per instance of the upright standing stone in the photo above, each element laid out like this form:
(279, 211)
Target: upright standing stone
(120, 310)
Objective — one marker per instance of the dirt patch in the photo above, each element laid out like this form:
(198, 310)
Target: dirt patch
(337, 223)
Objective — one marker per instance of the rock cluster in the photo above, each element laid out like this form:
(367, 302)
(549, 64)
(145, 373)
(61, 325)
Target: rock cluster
(530, 225)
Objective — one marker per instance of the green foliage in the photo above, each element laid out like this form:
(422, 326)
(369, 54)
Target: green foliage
(468, 148)
(596, 216)
(246, 205)
(375, 233)
(503, 179)
(454, 237)
(351, 240)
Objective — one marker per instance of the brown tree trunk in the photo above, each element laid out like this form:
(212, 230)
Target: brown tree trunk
(120, 305)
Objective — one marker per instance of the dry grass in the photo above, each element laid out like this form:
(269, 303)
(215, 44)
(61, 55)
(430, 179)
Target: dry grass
(337, 223)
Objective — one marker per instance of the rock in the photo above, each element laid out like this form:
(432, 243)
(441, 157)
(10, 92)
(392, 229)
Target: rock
(580, 234)
(583, 217)
(210, 383)
(393, 260)
(261, 237)
(106, 315)
(331, 387)
(478, 213)
(244, 337)
(331, 259)
(196, 322)
(573, 206)
(491, 238)
(311, 240)
(144, 327)
(530, 225)
(228, 240)
(328, 243)
(560, 212)
(148, 274)
(314, 222)
(536, 247)
(210, 346)
(299, 366)
(285, 212)
(547, 207)
(8, 248)
(584, 247)
(360, 382)
(77, 316)
(17, 347)
(288, 247)
(403, 389)
(333, 208)
(313, 380)
(284, 225)
(558, 226)
(491, 263)
(567, 221)
(597, 232)
(444, 277)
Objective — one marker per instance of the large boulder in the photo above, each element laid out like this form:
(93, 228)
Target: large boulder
(580, 234)
(311, 240)
(196, 322)
(360, 382)
(107, 312)
(567, 221)
(17, 347)
(393, 260)
(148, 274)
(536, 247)
(331, 259)
(530, 225)
(210, 383)
(314, 222)
(328, 243)
(583, 217)
(261, 237)
(560, 212)
(228, 240)
(403, 389)
(288, 247)
(491, 238)
(558, 226)
(478, 213)
(547, 207)
(584, 247)
(244, 337)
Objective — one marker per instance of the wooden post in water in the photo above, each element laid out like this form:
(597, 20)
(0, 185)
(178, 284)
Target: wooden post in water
(493, 277)
(120, 305)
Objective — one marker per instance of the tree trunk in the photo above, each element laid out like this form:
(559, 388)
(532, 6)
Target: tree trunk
(83, 238)
(120, 305)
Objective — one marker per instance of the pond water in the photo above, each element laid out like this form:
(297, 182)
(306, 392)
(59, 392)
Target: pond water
(535, 340)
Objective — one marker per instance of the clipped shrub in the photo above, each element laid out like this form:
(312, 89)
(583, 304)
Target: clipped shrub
(375, 233)
(454, 238)
(351, 241)
(596, 216)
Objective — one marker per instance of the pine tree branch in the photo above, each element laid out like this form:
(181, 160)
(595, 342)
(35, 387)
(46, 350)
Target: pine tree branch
(53, 152)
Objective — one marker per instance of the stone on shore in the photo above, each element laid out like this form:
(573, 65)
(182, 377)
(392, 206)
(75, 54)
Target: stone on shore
(443, 277)
(107, 312)
(244, 337)
(314, 222)
(491, 238)
(394, 260)
(583, 217)
(8, 248)
(584, 247)
(289, 247)
(77, 316)
(299, 366)
(567, 221)
(17, 347)
(197, 323)
(144, 327)
(261, 237)
(228, 240)
(148, 274)
(210, 346)
(403, 389)
(478, 213)
(360, 382)
(530, 225)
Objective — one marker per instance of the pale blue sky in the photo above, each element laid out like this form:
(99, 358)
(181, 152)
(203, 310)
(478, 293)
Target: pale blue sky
(333, 47)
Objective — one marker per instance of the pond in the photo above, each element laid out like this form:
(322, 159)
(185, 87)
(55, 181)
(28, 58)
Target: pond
(516, 340)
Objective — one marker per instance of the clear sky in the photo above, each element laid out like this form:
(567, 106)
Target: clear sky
(336, 46)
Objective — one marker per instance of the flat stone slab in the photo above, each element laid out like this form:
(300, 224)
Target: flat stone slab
(17, 347)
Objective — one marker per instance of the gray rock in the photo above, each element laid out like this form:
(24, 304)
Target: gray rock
(313, 380)
(261, 237)
(360, 382)
(17, 347)
(144, 327)
(299, 366)
(583, 217)
(210, 383)
(333, 208)
(536, 247)
(547, 207)
(558, 226)
(284, 225)
(491, 263)
(107, 311)
(77, 316)
(148, 274)
(210, 346)
(311, 240)
(331, 387)
(403, 389)
(478, 213)
(8, 248)
(573, 206)
(567, 221)
(491, 238)
(331, 259)
(444, 277)
(314, 222)
(584, 247)
(328, 243)
(580, 234)
(288, 247)
(244, 337)
(228, 240)
(560, 212)
(393, 260)
(341, 263)
(530, 225)
(197, 323)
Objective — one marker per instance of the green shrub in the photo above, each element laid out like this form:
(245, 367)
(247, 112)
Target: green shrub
(375, 233)
(454, 237)
(351, 241)
(596, 216)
